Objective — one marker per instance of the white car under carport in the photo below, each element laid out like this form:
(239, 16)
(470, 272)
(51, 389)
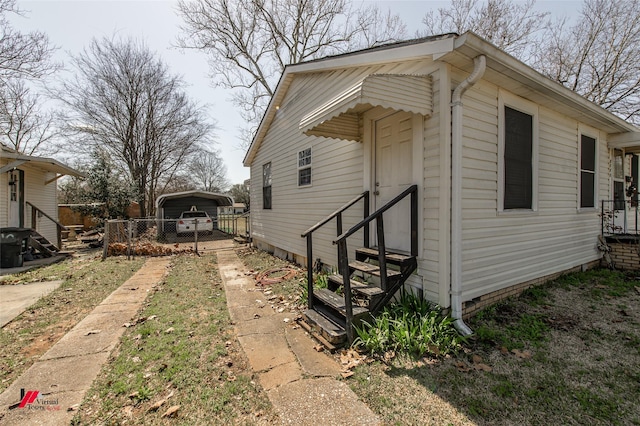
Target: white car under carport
(192, 221)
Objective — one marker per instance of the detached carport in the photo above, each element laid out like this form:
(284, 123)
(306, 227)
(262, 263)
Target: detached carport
(169, 206)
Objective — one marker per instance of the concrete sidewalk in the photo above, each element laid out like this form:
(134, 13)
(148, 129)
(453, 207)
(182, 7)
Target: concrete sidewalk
(14, 299)
(302, 384)
(63, 374)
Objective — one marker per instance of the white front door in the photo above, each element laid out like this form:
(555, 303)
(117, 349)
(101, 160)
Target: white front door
(15, 198)
(394, 174)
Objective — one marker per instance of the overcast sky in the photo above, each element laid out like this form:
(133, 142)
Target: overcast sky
(70, 25)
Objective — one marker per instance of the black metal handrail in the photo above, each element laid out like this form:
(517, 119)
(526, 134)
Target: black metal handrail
(343, 256)
(59, 226)
(308, 234)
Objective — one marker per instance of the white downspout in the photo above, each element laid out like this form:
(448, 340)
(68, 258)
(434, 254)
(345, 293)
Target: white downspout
(480, 65)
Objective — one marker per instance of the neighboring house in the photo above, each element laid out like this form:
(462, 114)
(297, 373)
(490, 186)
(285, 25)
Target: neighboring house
(509, 167)
(237, 208)
(170, 206)
(29, 185)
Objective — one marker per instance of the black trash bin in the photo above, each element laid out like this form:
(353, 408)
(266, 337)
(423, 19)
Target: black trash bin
(13, 244)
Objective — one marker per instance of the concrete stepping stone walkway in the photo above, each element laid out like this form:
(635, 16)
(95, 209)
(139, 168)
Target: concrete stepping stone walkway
(301, 383)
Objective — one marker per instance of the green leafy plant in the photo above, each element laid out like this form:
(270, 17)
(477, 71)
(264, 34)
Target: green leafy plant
(320, 280)
(411, 325)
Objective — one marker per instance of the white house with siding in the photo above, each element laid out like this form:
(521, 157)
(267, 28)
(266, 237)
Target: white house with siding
(510, 167)
(27, 182)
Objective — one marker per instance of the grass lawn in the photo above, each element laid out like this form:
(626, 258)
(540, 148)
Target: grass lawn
(86, 284)
(181, 355)
(564, 353)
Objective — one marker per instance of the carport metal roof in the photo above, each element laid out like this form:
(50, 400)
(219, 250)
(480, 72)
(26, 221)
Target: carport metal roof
(223, 200)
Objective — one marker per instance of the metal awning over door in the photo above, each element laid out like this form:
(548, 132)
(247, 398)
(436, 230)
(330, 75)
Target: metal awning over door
(339, 118)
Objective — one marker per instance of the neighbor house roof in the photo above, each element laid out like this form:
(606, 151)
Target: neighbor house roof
(459, 51)
(47, 164)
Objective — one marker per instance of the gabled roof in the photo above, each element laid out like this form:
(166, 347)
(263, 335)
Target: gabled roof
(48, 164)
(459, 51)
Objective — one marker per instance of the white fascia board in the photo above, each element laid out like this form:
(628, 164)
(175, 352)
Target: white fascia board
(364, 58)
(498, 56)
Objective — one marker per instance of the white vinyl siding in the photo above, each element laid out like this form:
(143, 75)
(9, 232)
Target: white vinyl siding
(36, 192)
(338, 167)
(501, 250)
(433, 262)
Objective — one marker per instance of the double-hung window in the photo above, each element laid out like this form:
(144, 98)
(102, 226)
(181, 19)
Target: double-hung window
(266, 186)
(304, 167)
(587, 171)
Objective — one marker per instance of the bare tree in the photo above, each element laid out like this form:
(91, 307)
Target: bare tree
(23, 124)
(509, 25)
(124, 100)
(240, 194)
(22, 55)
(208, 171)
(598, 56)
(250, 42)
(180, 182)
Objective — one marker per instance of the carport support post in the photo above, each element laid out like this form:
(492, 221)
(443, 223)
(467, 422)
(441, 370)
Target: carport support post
(105, 240)
(195, 235)
(129, 238)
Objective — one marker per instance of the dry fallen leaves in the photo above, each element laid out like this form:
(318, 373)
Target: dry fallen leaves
(172, 411)
(157, 405)
(462, 367)
(350, 359)
(521, 354)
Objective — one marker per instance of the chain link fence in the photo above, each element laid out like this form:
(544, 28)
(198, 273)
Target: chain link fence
(235, 224)
(161, 237)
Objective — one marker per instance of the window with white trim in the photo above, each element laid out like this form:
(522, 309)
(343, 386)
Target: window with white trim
(517, 154)
(266, 186)
(618, 180)
(304, 167)
(518, 159)
(587, 171)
